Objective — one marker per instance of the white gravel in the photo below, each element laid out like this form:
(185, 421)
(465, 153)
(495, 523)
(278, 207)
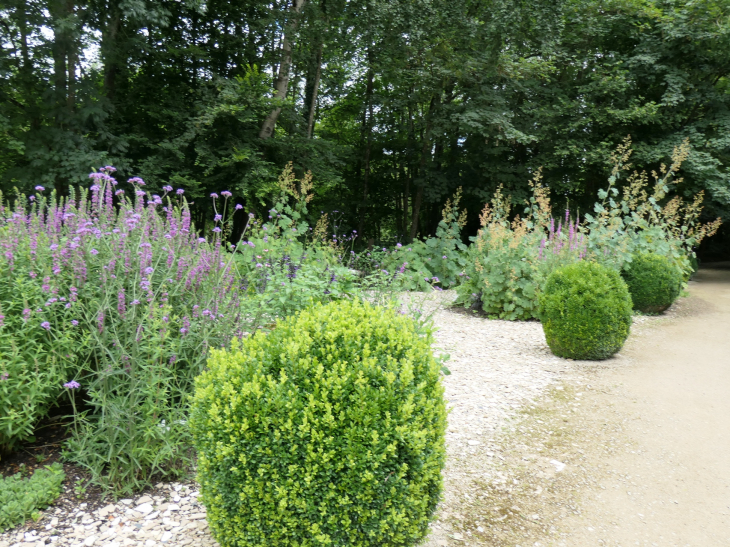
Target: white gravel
(170, 516)
(496, 368)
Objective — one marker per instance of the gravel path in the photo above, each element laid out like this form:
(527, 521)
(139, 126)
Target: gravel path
(496, 368)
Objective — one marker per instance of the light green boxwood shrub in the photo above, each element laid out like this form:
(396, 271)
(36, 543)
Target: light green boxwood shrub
(585, 311)
(327, 431)
(654, 282)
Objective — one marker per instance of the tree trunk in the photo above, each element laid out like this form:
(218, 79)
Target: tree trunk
(282, 82)
(416, 214)
(313, 89)
(368, 131)
(57, 11)
(71, 65)
(110, 54)
(406, 199)
(425, 153)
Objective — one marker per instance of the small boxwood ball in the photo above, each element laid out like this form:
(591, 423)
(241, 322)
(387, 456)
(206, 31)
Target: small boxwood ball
(654, 282)
(585, 310)
(328, 431)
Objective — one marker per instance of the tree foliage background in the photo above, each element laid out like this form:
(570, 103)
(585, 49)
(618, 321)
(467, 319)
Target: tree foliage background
(392, 104)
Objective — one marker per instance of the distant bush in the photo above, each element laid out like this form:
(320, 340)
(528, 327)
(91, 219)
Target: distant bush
(585, 311)
(654, 282)
(23, 498)
(436, 262)
(512, 255)
(327, 431)
(509, 261)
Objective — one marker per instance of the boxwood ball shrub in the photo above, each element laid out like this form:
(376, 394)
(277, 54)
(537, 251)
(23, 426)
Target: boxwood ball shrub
(654, 282)
(585, 311)
(327, 431)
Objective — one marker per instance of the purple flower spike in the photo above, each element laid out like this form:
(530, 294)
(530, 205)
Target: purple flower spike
(73, 384)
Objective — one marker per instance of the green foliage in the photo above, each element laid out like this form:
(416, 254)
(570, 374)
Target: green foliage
(178, 92)
(434, 262)
(34, 361)
(653, 281)
(585, 311)
(510, 261)
(288, 264)
(327, 431)
(642, 218)
(23, 498)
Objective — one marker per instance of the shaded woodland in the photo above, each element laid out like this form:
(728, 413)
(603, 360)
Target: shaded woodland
(392, 104)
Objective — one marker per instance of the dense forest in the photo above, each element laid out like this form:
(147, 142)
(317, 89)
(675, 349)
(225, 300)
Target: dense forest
(392, 104)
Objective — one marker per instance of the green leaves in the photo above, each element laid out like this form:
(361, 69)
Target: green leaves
(585, 311)
(23, 498)
(337, 416)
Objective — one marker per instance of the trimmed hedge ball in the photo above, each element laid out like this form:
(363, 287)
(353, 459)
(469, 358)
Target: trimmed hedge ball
(328, 431)
(585, 311)
(653, 281)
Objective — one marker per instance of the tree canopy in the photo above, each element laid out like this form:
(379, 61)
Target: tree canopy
(392, 104)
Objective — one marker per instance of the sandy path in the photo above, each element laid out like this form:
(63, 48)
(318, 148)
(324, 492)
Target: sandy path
(672, 487)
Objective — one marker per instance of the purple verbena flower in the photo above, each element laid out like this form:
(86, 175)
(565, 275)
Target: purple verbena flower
(73, 384)
(46, 325)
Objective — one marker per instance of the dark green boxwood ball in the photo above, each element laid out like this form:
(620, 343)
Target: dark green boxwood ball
(329, 431)
(585, 310)
(653, 281)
